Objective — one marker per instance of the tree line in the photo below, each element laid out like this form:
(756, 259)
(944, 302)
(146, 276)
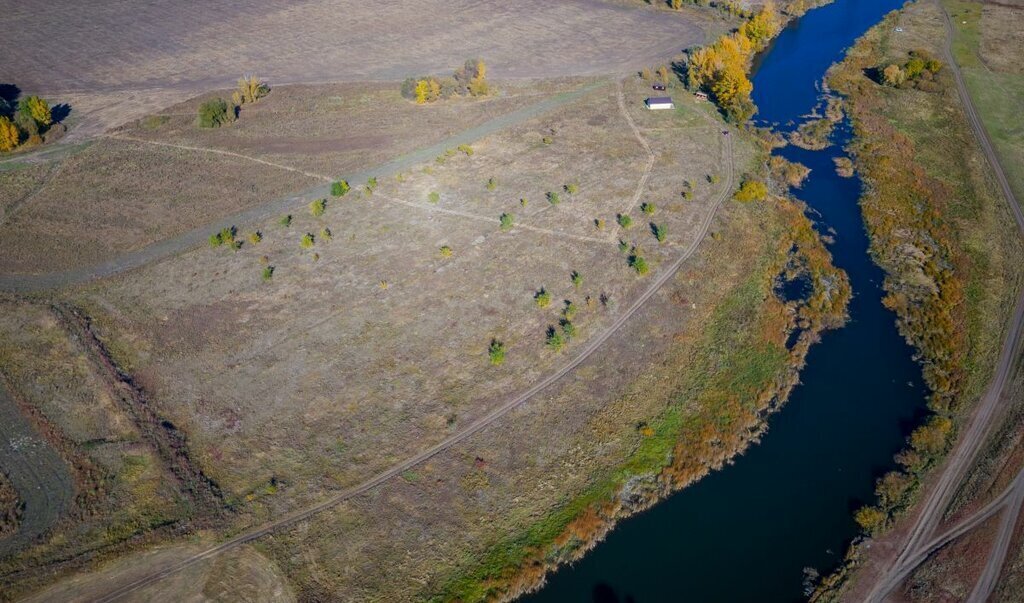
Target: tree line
(721, 68)
(468, 80)
(24, 122)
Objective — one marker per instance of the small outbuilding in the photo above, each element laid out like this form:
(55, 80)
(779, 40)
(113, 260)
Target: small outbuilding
(701, 96)
(659, 102)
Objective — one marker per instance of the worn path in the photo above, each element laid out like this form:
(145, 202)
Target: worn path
(665, 275)
(24, 283)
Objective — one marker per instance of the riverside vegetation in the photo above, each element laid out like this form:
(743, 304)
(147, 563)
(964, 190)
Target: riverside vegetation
(941, 232)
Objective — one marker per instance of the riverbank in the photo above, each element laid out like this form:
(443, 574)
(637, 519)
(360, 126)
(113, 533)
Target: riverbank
(940, 230)
(717, 389)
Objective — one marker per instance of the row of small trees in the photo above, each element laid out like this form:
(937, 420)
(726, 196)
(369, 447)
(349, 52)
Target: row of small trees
(24, 123)
(468, 80)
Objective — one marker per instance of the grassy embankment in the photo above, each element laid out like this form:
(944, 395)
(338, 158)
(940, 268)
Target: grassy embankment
(941, 232)
(717, 389)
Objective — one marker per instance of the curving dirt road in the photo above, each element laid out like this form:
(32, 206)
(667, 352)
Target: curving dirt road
(26, 283)
(916, 548)
(483, 422)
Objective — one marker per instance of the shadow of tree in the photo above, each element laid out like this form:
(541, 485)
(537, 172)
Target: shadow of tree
(60, 112)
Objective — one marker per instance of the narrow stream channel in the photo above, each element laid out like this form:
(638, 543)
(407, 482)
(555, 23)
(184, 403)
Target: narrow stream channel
(748, 532)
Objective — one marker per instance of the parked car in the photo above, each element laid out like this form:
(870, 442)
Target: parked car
(659, 86)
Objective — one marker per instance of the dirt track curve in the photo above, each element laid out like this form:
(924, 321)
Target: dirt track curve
(917, 547)
(474, 428)
(27, 283)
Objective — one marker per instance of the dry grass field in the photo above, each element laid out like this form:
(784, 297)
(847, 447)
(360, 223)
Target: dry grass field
(342, 365)
(162, 176)
(216, 389)
(372, 344)
(120, 488)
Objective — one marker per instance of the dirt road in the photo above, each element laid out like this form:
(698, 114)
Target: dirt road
(25, 283)
(666, 274)
(973, 437)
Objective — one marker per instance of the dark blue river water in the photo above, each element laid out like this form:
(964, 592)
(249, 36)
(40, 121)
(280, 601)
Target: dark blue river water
(747, 533)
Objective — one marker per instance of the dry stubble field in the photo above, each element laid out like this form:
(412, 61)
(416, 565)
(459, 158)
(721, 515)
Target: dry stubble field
(116, 61)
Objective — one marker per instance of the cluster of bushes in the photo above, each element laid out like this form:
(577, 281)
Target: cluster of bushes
(918, 72)
(721, 69)
(468, 80)
(752, 189)
(927, 443)
(217, 112)
(24, 122)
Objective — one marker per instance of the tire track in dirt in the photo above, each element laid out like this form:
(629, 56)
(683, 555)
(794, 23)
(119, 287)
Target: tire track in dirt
(37, 472)
(477, 426)
(26, 283)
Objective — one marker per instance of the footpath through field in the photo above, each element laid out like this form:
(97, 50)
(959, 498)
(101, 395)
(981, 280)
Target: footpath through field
(26, 283)
(119, 591)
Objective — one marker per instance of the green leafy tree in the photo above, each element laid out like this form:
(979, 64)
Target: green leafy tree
(214, 113)
(506, 220)
(542, 298)
(554, 340)
(268, 273)
(576, 278)
(659, 232)
(647, 208)
(37, 109)
(496, 352)
(318, 207)
(307, 241)
(624, 220)
(339, 188)
(434, 197)
(639, 264)
(553, 198)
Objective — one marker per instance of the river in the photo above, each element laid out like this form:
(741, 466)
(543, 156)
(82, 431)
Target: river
(748, 532)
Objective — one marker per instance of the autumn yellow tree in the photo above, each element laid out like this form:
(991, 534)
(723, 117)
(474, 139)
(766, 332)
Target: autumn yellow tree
(422, 91)
(762, 27)
(250, 89)
(663, 74)
(478, 85)
(37, 109)
(9, 135)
